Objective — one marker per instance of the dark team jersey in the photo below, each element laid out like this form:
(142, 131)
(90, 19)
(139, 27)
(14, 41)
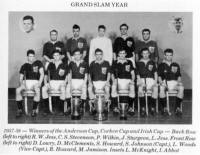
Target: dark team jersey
(99, 71)
(146, 70)
(49, 47)
(141, 44)
(78, 72)
(31, 71)
(73, 44)
(122, 70)
(169, 72)
(58, 73)
(120, 43)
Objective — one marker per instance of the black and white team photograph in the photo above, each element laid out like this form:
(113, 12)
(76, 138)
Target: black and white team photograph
(100, 68)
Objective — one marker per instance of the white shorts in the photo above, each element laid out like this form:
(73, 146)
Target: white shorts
(150, 82)
(99, 86)
(29, 84)
(172, 85)
(55, 84)
(77, 84)
(123, 84)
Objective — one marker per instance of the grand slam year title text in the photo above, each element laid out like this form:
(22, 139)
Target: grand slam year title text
(99, 4)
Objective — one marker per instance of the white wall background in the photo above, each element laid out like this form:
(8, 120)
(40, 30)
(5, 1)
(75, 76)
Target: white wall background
(19, 42)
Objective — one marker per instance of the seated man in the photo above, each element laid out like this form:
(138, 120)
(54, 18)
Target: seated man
(55, 79)
(78, 73)
(147, 80)
(123, 72)
(31, 77)
(169, 77)
(99, 75)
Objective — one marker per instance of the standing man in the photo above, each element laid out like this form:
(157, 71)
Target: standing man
(52, 45)
(126, 42)
(147, 43)
(76, 42)
(147, 80)
(55, 79)
(169, 77)
(103, 43)
(31, 77)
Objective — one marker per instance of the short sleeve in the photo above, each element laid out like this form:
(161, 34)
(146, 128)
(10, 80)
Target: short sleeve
(22, 69)
(45, 49)
(86, 68)
(68, 46)
(161, 69)
(108, 66)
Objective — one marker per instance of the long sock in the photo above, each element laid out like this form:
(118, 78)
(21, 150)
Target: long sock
(19, 105)
(114, 102)
(178, 103)
(68, 102)
(46, 105)
(163, 103)
(142, 102)
(82, 103)
(61, 107)
(153, 102)
(131, 101)
(35, 104)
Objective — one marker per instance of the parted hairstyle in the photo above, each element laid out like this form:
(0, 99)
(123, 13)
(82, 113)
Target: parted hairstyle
(30, 51)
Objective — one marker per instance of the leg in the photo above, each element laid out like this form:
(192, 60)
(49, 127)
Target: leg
(91, 92)
(36, 100)
(46, 97)
(84, 92)
(107, 92)
(131, 98)
(179, 99)
(19, 100)
(154, 99)
(114, 98)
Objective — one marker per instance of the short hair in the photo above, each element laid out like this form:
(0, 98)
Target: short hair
(101, 27)
(121, 49)
(144, 49)
(168, 50)
(76, 50)
(130, 39)
(98, 50)
(29, 17)
(54, 31)
(146, 30)
(124, 24)
(75, 26)
(55, 51)
(30, 51)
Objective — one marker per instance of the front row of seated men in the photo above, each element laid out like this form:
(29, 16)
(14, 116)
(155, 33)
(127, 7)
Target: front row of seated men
(121, 74)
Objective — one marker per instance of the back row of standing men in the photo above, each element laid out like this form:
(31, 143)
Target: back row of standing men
(106, 62)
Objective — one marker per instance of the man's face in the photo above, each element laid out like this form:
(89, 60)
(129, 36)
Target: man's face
(101, 32)
(31, 58)
(27, 25)
(129, 43)
(56, 56)
(53, 36)
(145, 54)
(76, 33)
(146, 35)
(122, 54)
(168, 56)
(123, 30)
(99, 56)
(77, 56)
